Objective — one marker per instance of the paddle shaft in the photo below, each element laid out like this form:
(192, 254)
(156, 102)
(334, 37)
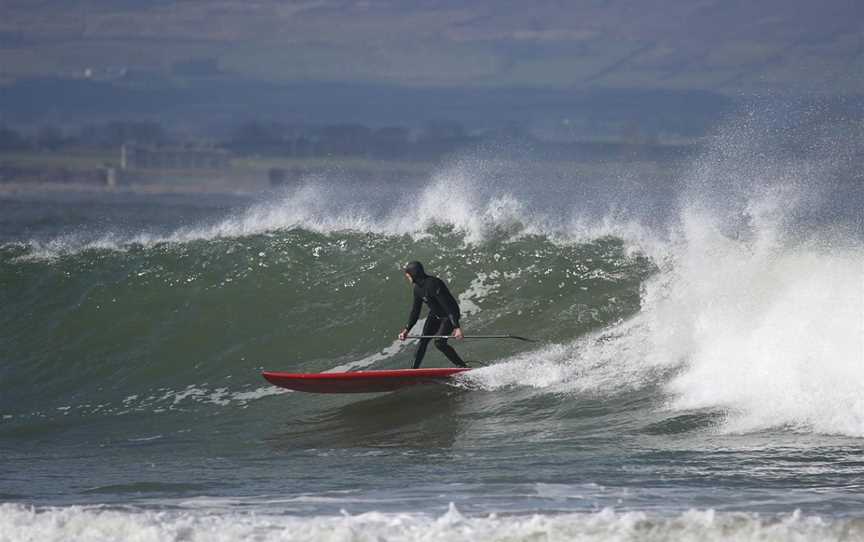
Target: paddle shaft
(470, 337)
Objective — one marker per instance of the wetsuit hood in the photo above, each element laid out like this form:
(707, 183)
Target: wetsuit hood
(415, 270)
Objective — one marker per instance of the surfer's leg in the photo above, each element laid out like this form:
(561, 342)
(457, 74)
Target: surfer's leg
(451, 354)
(421, 351)
(429, 328)
(441, 344)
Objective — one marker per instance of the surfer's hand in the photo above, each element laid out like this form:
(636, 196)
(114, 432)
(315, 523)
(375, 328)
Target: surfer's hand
(403, 334)
(457, 333)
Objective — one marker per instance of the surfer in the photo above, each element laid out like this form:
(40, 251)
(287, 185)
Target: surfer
(443, 317)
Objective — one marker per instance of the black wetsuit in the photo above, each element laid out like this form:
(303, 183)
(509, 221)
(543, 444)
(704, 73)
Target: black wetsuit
(442, 319)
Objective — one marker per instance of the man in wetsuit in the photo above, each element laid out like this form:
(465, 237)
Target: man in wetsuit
(443, 317)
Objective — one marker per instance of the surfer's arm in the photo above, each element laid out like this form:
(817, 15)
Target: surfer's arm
(415, 313)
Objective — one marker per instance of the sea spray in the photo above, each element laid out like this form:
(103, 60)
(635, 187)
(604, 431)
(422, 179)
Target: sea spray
(755, 311)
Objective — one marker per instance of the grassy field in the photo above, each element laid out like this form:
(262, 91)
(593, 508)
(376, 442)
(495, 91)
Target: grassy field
(333, 164)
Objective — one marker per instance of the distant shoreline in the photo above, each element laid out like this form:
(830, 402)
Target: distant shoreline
(48, 188)
(47, 174)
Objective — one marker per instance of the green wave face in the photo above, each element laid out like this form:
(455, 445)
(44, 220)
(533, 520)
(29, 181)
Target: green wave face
(100, 330)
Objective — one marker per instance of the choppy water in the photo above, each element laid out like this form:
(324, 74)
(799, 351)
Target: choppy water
(699, 373)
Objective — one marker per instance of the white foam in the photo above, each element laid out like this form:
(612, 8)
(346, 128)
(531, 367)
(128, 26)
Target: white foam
(771, 333)
(393, 349)
(605, 363)
(96, 524)
(481, 286)
(751, 313)
(166, 399)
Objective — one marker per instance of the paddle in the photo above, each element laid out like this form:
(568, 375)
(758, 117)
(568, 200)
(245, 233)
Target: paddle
(518, 338)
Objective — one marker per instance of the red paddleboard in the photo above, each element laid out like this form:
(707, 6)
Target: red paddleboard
(359, 381)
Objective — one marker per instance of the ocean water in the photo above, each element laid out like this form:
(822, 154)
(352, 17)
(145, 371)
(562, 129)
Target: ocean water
(698, 375)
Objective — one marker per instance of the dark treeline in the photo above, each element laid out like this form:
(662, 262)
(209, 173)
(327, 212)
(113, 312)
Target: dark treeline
(349, 140)
(257, 138)
(102, 136)
(429, 142)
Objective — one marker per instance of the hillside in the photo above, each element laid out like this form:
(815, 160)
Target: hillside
(726, 46)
